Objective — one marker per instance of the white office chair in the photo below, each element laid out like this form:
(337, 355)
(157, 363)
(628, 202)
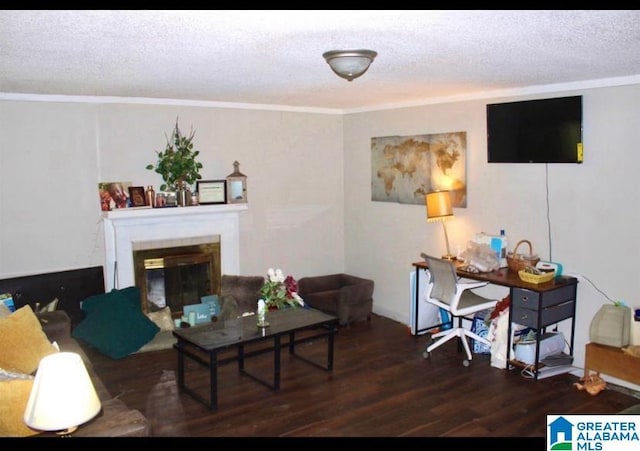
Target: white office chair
(446, 291)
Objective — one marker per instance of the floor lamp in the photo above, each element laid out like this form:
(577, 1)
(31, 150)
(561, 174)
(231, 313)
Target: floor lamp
(439, 209)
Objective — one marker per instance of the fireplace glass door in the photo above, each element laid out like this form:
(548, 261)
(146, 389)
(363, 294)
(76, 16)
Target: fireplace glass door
(176, 277)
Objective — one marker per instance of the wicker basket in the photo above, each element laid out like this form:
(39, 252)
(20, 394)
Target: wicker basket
(516, 261)
(536, 278)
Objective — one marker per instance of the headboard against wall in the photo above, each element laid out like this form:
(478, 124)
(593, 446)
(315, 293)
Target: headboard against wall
(70, 287)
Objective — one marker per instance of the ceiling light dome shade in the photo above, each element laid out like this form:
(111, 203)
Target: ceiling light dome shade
(349, 64)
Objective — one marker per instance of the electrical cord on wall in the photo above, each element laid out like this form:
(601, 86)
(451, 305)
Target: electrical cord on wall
(546, 167)
(598, 289)
(546, 181)
(580, 276)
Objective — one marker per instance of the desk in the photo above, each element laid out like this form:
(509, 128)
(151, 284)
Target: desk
(532, 305)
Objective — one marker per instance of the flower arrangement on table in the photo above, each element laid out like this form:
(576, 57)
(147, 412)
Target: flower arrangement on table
(279, 291)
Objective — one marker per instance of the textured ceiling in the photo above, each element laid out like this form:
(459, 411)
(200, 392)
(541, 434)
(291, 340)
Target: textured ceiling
(275, 57)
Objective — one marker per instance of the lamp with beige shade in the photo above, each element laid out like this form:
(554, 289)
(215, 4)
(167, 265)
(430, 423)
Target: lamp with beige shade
(439, 208)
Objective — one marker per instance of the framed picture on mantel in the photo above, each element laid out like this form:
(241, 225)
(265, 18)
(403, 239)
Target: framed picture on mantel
(114, 195)
(212, 191)
(138, 199)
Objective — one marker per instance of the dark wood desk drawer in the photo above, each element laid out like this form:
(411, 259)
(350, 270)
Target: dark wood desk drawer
(534, 300)
(529, 317)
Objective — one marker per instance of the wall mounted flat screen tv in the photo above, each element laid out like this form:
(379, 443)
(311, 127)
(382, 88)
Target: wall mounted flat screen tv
(535, 131)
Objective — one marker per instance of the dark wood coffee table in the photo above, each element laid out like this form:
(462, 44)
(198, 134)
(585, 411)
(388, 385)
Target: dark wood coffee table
(201, 341)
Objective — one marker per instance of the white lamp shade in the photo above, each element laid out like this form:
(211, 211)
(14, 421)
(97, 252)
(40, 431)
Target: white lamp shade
(438, 206)
(63, 396)
(349, 64)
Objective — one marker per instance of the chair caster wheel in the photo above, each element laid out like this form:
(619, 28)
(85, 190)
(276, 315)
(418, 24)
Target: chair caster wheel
(466, 362)
(426, 354)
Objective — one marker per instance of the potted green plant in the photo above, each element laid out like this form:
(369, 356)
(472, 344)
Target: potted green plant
(177, 164)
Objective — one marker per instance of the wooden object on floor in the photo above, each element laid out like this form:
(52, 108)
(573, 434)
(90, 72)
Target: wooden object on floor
(611, 361)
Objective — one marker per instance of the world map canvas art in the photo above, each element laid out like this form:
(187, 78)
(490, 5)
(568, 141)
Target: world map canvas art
(405, 168)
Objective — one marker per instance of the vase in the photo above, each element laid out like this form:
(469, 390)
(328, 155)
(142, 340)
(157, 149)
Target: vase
(262, 318)
(183, 193)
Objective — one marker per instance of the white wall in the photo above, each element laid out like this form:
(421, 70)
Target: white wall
(53, 155)
(592, 225)
(309, 178)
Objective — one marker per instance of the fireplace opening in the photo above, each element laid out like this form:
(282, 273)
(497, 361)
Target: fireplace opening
(176, 275)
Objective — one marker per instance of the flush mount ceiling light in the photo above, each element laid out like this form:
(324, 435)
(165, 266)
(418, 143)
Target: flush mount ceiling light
(349, 64)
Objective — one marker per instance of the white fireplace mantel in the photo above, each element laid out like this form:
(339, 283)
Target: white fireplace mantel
(125, 226)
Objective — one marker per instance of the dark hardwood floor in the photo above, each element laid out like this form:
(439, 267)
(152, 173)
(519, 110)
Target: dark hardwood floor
(381, 386)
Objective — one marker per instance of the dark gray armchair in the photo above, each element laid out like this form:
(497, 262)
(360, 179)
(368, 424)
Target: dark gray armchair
(348, 297)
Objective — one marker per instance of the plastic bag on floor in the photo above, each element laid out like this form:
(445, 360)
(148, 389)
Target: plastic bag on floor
(498, 333)
(478, 326)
